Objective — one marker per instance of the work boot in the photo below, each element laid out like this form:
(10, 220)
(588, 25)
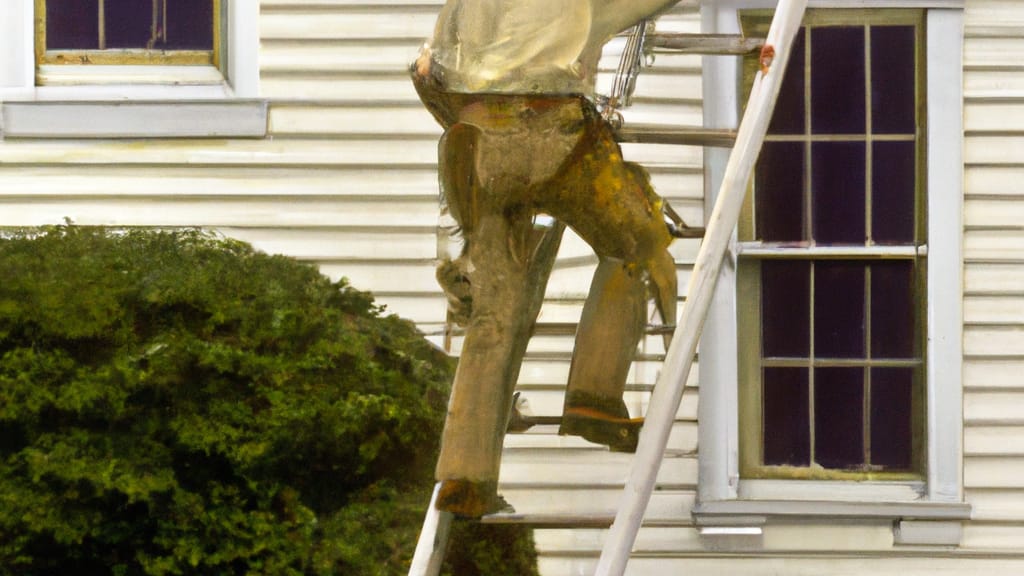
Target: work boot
(471, 499)
(600, 420)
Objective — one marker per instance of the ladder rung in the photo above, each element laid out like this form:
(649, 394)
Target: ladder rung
(550, 520)
(554, 521)
(654, 134)
(567, 355)
(569, 329)
(704, 43)
(560, 387)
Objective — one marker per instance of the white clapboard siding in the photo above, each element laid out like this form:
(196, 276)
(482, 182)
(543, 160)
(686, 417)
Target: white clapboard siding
(834, 538)
(995, 505)
(682, 440)
(213, 180)
(544, 373)
(909, 563)
(585, 468)
(995, 180)
(994, 278)
(364, 153)
(549, 402)
(996, 440)
(651, 539)
(664, 509)
(999, 243)
(994, 472)
(994, 372)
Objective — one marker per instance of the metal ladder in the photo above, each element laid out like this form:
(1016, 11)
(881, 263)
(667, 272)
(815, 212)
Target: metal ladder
(746, 144)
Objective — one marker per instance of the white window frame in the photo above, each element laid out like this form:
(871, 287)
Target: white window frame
(923, 512)
(130, 101)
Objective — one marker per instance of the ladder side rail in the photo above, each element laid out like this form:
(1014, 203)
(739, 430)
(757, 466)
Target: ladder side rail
(669, 389)
(430, 547)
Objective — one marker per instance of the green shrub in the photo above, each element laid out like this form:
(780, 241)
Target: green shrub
(177, 403)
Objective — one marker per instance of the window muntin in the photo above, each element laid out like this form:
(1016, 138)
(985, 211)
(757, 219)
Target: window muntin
(831, 281)
(169, 32)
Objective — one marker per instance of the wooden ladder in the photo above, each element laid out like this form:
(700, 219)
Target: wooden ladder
(746, 144)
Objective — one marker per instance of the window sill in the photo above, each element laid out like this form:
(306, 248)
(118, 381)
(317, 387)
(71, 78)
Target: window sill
(130, 102)
(741, 523)
(723, 512)
(49, 77)
(200, 118)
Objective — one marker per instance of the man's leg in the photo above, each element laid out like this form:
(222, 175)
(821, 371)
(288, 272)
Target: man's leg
(612, 323)
(611, 204)
(507, 290)
(499, 284)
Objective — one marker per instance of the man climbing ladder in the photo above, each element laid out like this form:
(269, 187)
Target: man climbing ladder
(749, 137)
(512, 83)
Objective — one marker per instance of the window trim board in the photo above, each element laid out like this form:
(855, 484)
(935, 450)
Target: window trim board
(719, 481)
(17, 67)
(945, 263)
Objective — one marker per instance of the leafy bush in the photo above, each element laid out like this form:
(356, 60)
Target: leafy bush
(176, 403)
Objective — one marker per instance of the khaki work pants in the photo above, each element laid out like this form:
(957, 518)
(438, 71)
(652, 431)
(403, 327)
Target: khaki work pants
(503, 159)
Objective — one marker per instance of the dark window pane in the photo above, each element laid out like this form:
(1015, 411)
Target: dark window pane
(779, 185)
(837, 189)
(787, 436)
(72, 25)
(892, 79)
(190, 25)
(892, 310)
(129, 23)
(789, 109)
(891, 407)
(893, 179)
(838, 417)
(837, 80)
(839, 310)
(785, 308)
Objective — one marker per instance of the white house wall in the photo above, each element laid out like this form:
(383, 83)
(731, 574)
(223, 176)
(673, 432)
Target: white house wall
(347, 179)
(994, 276)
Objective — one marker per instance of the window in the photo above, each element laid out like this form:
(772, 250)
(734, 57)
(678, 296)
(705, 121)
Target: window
(831, 358)
(128, 32)
(130, 69)
(831, 263)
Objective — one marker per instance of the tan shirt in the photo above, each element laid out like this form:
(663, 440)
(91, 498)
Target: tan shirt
(528, 46)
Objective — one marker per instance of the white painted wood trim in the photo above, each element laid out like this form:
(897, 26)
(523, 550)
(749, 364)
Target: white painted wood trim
(134, 119)
(836, 491)
(243, 31)
(125, 81)
(718, 433)
(945, 263)
(16, 45)
(927, 533)
(763, 250)
(743, 510)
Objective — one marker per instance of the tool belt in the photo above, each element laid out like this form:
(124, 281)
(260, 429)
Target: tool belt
(449, 107)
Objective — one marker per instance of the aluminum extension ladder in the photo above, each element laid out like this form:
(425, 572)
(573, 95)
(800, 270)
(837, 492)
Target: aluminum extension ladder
(746, 143)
